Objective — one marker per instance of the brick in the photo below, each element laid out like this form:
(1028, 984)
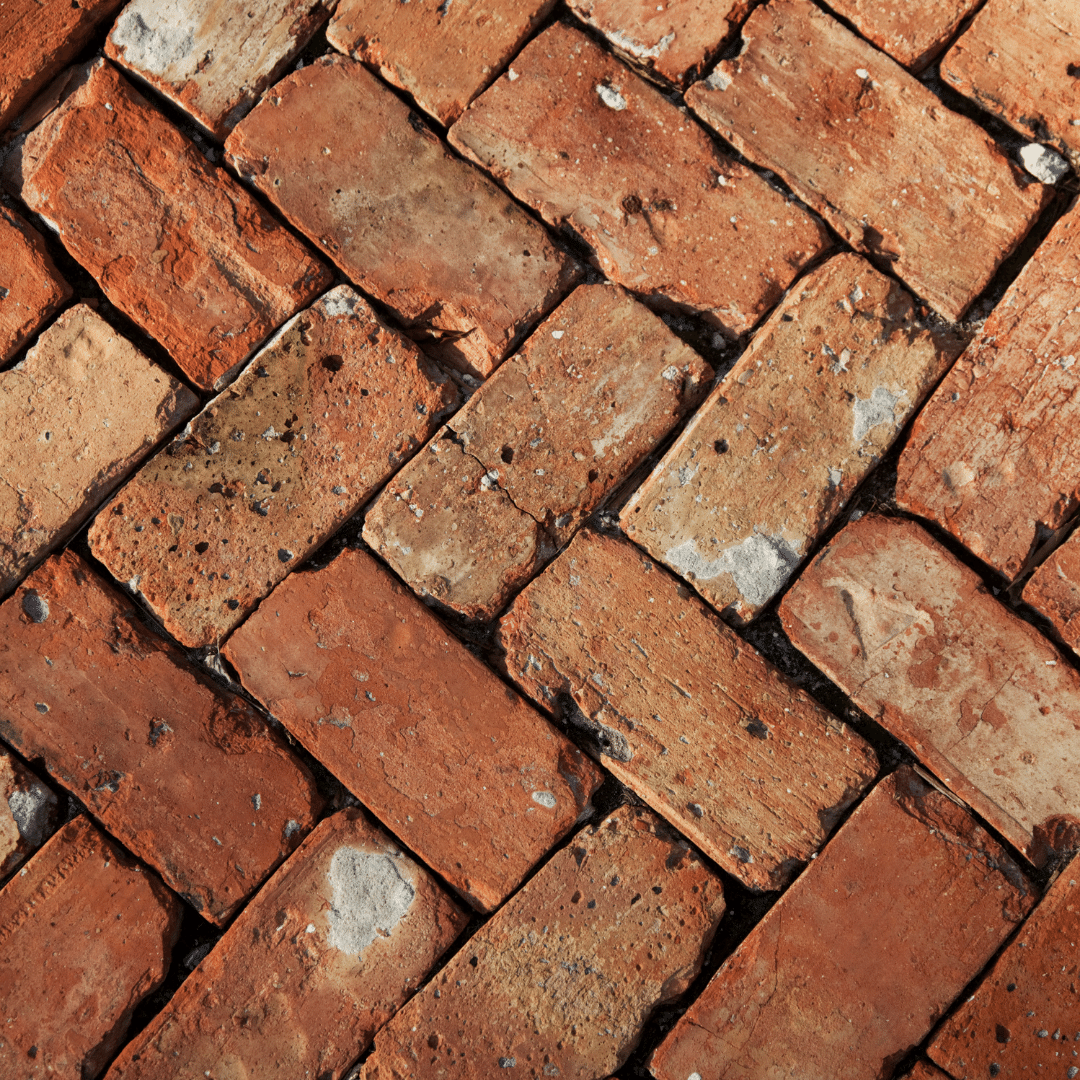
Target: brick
(359, 173)
(187, 776)
(597, 150)
(85, 935)
(79, 413)
(992, 457)
(1025, 1015)
(686, 714)
(925, 1071)
(916, 639)
(442, 54)
(28, 813)
(175, 243)
(213, 64)
(871, 149)
(562, 979)
(317, 422)
(467, 774)
(322, 957)
(1054, 589)
(857, 960)
(535, 451)
(768, 462)
(31, 287)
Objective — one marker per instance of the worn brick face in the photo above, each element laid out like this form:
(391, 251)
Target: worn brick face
(859, 958)
(319, 419)
(881, 158)
(28, 812)
(769, 460)
(478, 784)
(1054, 589)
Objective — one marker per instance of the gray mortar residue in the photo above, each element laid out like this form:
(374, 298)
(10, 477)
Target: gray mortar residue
(30, 809)
(759, 565)
(878, 408)
(370, 897)
(152, 48)
(35, 606)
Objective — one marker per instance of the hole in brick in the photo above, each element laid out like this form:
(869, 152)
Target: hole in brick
(284, 554)
(232, 605)
(474, 961)
(593, 474)
(721, 446)
(174, 547)
(1074, 70)
(363, 393)
(508, 454)
(202, 547)
(632, 204)
(1002, 1034)
(333, 363)
(526, 253)
(216, 489)
(576, 898)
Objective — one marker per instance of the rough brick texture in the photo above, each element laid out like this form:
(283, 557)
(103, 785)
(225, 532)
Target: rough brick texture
(925, 1071)
(1054, 589)
(28, 812)
(773, 455)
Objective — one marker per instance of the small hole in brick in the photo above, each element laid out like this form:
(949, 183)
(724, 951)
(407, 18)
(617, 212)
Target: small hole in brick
(232, 605)
(333, 363)
(1003, 1034)
(202, 547)
(1073, 70)
(508, 454)
(721, 446)
(363, 393)
(474, 961)
(593, 474)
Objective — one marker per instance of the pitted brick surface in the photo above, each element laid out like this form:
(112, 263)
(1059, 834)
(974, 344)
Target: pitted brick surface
(28, 813)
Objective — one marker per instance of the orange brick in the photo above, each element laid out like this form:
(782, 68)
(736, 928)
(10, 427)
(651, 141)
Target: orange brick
(925, 1071)
(28, 812)
(1054, 589)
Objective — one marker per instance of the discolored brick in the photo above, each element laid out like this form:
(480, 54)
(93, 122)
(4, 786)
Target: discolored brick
(317, 422)
(28, 813)
(1054, 589)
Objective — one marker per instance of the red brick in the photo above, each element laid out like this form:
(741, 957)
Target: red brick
(596, 149)
(854, 964)
(925, 1071)
(1025, 1016)
(322, 957)
(871, 149)
(175, 243)
(689, 717)
(916, 639)
(187, 776)
(79, 413)
(562, 979)
(473, 780)
(768, 462)
(85, 935)
(315, 425)
(1054, 589)
(28, 812)
(355, 170)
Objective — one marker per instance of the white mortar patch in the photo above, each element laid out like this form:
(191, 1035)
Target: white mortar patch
(759, 565)
(878, 408)
(369, 898)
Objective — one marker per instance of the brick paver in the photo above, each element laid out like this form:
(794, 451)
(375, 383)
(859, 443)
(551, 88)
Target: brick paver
(925, 1071)
(1054, 589)
(28, 813)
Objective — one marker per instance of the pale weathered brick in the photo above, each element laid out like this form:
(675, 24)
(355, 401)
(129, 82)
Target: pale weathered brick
(28, 812)
(1054, 589)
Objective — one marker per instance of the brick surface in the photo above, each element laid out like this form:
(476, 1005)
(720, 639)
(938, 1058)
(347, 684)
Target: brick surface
(175, 243)
(561, 980)
(856, 961)
(85, 935)
(78, 414)
(213, 63)
(925, 1071)
(1025, 1016)
(859, 139)
(1054, 589)
(478, 784)
(354, 169)
(777, 450)
(317, 422)
(692, 719)
(28, 812)
(323, 957)
(442, 54)
(185, 775)
(916, 639)
(596, 149)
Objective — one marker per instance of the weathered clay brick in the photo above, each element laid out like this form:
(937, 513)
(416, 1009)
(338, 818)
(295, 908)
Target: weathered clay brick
(535, 451)
(316, 423)
(686, 714)
(777, 450)
(313, 966)
(472, 779)
(354, 169)
(596, 149)
(1054, 589)
(858, 138)
(187, 776)
(28, 811)
(925, 1071)
(983, 699)
(214, 62)
(993, 457)
(561, 980)
(442, 54)
(859, 958)
(85, 935)
(78, 414)
(175, 243)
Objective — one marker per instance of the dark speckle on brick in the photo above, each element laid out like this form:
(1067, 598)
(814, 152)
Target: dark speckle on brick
(35, 606)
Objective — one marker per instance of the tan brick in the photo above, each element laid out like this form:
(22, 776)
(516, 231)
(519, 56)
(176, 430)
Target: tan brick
(85, 935)
(871, 149)
(472, 779)
(359, 173)
(858, 959)
(175, 243)
(782, 443)
(28, 813)
(322, 957)
(442, 54)
(596, 149)
(992, 457)
(185, 775)
(317, 422)
(78, 414)
(686, 714)
(212, 62)
(916, 639)
(562, 979)
(1054, 589)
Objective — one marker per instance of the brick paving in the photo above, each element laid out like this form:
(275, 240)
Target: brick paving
(539, 539)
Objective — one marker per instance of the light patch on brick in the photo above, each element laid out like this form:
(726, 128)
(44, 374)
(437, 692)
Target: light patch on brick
(370, 897)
